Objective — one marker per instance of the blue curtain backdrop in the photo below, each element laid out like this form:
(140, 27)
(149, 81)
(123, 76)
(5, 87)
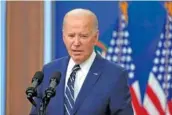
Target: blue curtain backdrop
(144, 25)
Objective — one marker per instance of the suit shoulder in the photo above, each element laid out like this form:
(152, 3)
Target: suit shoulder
(113, 65)
(56, 62)
(113, 68)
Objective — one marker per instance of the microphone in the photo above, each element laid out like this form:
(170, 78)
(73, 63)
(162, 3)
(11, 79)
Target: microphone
(36, 81)
(49, 92)
(54, 81)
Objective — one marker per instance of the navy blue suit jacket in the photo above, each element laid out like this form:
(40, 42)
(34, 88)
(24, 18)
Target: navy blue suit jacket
(105, 90)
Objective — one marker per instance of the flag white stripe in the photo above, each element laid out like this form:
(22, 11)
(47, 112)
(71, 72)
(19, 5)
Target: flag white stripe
(136, 89)
(133, 108)
(149, 106)
(157, 89)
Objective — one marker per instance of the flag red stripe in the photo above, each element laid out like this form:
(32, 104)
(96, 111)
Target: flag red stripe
(135, 101)
(144, 111)
(170, 107)
(138, 108)
(154, 99)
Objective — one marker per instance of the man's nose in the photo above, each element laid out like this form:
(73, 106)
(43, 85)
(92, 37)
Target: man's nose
(77, 41)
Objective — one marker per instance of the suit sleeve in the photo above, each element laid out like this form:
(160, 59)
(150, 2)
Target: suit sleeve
(120, 98)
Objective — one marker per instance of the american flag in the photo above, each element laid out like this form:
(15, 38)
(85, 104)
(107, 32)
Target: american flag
(120, 52)
(158, 95)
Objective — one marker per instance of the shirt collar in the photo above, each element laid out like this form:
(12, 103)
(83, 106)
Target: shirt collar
(85, 66)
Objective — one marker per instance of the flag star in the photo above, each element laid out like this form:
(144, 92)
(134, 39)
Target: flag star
(120, 51)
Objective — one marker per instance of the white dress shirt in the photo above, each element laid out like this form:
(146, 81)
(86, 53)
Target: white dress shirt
(81, 74)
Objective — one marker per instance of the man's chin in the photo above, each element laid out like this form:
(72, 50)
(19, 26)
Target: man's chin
(78, 59)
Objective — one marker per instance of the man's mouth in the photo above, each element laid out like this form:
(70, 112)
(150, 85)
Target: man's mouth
(77, 52)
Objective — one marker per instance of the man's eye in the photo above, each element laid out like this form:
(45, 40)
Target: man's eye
(71, 35)
(84, 36)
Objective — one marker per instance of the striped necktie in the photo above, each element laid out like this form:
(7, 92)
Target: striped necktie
(69, 92)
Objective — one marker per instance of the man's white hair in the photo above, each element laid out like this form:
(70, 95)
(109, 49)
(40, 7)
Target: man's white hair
(82, 12)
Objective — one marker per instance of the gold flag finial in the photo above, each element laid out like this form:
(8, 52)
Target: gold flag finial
(168, 6)
(124, 9)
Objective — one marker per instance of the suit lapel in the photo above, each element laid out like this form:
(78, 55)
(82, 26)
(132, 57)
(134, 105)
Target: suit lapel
(91, 79)
(61, 87)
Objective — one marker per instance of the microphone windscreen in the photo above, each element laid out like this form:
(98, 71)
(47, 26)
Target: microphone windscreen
(56, 76)
(39, 75)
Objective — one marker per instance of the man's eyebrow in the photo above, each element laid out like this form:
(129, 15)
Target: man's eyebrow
(85, 33)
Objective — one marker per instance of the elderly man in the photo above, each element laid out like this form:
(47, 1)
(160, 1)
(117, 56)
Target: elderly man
(89, 85)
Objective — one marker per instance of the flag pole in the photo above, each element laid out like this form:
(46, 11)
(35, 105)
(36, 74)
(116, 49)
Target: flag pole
(167, 47)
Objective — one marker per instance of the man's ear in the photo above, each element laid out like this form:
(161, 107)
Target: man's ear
(97, 36)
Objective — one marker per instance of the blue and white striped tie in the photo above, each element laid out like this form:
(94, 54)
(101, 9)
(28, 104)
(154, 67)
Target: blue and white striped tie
(69, 92)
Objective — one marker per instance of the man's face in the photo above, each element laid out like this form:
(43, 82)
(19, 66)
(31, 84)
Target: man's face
(79, 37)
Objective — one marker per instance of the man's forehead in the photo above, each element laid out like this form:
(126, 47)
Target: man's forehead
(78, 19)
(78, 25)
(70, 31)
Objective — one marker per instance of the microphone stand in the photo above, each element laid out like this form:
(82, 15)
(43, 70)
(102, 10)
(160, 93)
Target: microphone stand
(42, 109)
(31, 92)
(49, 93)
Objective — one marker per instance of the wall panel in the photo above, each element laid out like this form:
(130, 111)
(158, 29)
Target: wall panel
(24, 52)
